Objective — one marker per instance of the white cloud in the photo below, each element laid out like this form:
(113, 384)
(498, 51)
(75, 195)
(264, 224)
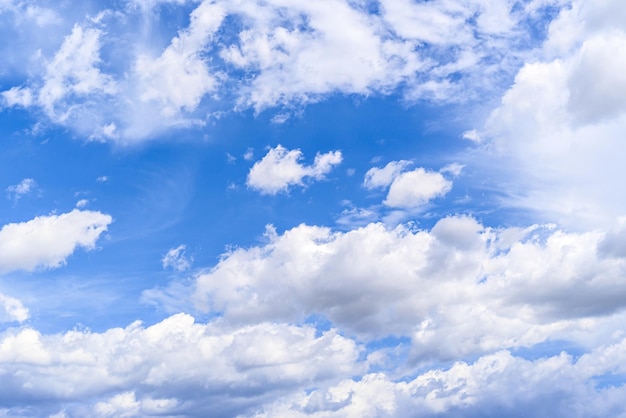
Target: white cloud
(176, 259)
(455, 290)
(410, 189)
(17, 96)
(557, 134)
(175, 367)
(413, 189)
(12, 309)
(281, 168)
(472, 135)
(454, 169)
(82, 203)
(291, 52)
(24, 187)
(180, 78)
(74, 71)
(383, 177)
(557, 386)
(47, 241)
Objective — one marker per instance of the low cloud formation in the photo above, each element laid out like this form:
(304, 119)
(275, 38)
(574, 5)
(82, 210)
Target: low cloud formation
(163, 368)
(176, 259)
(47, 241)
(513, 386)
(557, 134)
(456, 290)
(410, 189)
(281, 169)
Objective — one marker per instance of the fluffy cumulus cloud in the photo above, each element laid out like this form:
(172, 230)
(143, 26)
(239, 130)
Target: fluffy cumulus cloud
(281, 168)
(162, 369)
(560, 123)
(459, 318)
(290, 53)
(512, 386)
(47, 241)
(414, 188)
(410, 189)
(456, 290)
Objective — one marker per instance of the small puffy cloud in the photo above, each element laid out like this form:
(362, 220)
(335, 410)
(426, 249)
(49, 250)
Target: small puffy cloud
(24, 187)
(383, 177)
(82, 203)
(102, 179)
(47, 241)
(249, 154)
(472, 135)
(12, 310)
(176, 259)
(415, 188)
(410, 189)
(281, 168)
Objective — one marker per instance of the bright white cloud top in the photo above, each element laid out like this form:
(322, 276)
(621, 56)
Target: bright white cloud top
(281, 168)
(47, 241)
(439, 183)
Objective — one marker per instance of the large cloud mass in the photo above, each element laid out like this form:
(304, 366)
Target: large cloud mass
(292, 53)
(462, 316)
(456, 290)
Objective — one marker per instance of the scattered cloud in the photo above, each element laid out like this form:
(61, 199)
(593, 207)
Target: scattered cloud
(383, 177)
(23, 188)
(281, 169)
(12, 310)
(410, 189)
(162, 368)
(453, 169)
(512, 287)
(176, 259)
(47, 241)
(413, 189)
(292, 54)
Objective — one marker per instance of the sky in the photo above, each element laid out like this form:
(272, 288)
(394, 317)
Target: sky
(333, 208)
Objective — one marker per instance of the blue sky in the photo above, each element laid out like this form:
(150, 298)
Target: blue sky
(339, 208)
